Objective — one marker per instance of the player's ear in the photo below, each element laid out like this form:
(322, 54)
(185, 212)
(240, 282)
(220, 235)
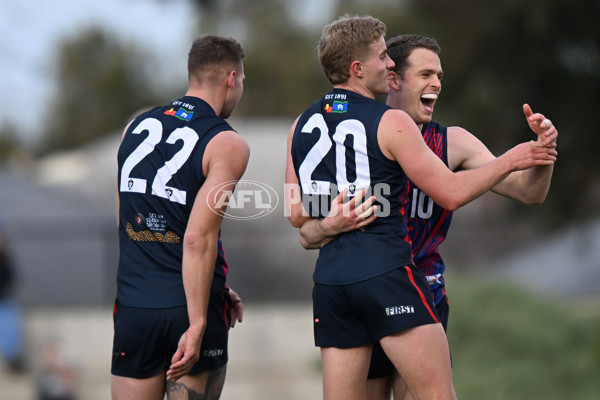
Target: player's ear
(231, 79)
(394, 80)
(356, 68)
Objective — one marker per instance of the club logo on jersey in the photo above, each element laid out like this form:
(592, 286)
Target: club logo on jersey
(336, 107)
(181, 113)
(140, 220)
(245, 200)
(399, 310)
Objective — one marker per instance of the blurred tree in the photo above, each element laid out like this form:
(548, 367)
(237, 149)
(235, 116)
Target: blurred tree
(281, 54)
(499, 54)
(101, 82)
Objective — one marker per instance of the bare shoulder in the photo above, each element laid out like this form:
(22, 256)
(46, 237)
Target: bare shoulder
(227, 148)
(396, 118)
(228, 142)
(393, 122)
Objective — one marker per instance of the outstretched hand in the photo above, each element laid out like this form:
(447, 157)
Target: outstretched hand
(541, 126)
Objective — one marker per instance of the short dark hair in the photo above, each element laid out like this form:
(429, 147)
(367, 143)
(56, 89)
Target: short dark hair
(209, 51)
(400, 47)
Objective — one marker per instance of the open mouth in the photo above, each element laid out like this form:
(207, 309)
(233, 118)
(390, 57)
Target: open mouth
(428, 100)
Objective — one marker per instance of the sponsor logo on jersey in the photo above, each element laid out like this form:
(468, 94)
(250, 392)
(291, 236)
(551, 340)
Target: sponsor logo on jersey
(336, 107)
(399, 310)
(182, 114)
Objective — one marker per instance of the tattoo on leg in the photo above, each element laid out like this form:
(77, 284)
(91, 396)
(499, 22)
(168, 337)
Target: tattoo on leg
(213, 389)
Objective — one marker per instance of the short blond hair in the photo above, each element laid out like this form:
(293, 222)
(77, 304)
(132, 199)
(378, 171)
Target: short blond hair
(345, 40)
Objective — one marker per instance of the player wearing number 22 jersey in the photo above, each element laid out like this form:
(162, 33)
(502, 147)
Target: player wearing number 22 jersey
(160, 173)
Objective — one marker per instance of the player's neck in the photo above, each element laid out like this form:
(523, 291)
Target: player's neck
(357, 88)
(214, 99)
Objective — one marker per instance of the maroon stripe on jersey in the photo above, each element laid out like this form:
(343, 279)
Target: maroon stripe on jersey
(421, 295)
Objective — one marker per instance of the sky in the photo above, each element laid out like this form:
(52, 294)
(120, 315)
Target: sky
(30, 31)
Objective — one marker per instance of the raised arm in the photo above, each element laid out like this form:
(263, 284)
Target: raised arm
(224, 163)
(528, 186)
(400, 140)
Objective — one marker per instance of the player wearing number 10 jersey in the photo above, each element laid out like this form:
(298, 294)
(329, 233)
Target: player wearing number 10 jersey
(428, 223)
(177, 165)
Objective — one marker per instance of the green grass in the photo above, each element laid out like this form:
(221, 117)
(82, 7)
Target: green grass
(509, 344)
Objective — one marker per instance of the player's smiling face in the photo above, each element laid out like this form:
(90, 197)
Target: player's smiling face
(419, 86)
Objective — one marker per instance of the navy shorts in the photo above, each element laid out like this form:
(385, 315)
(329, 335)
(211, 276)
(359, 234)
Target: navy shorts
(145, 339)
(362, 313)
(381, 366)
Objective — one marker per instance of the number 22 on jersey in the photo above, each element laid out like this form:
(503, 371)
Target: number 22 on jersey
(166, 172)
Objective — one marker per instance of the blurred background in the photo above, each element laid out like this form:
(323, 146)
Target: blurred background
(522, 280)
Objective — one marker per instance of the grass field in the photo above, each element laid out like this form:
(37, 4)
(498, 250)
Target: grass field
(510, 344)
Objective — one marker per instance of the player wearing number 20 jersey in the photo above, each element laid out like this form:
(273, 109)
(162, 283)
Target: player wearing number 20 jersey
(335, 147)
(428, 223)
(160, 173)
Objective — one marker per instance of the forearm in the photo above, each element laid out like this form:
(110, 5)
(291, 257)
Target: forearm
(465, 186)
(198, 268)
(530, 186)
(313, 234)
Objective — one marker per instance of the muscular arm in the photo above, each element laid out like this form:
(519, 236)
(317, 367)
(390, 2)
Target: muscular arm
(528, 186)
(224, 163)
(400, 140)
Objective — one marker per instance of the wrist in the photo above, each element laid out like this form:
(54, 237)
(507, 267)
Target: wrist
(327, 227)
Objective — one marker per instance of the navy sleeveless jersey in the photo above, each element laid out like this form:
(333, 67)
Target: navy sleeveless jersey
(159, 176)
(335, 147)
(428, 223)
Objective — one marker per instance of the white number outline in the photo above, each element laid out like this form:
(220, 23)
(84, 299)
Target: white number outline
(166, 172)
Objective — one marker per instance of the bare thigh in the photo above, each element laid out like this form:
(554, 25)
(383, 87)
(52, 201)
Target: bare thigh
(123, 388)
(207, 385)
(422, 357)
(345, 372)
